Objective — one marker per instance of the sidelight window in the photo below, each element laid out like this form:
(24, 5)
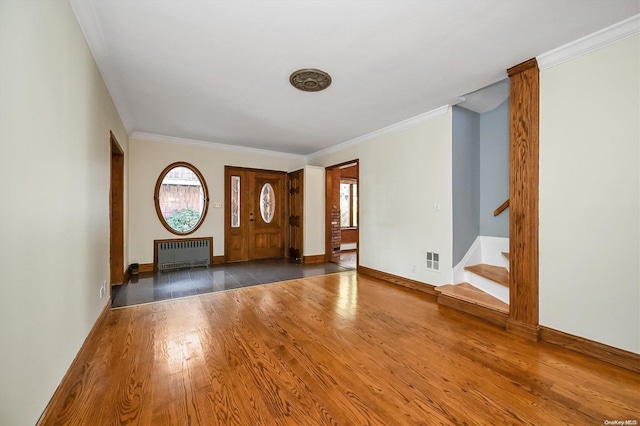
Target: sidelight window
(348, 204)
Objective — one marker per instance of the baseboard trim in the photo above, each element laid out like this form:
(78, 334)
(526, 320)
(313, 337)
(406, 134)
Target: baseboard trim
(619, 357)
(317, 258)
(523, 330)
(493, 316)
(218, 260)
(395, 279)
(89, 340)
(146, 267)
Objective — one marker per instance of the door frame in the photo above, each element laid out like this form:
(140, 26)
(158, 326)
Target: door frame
(300, 208)
(228, 172)
(117, 270)
(327, 204)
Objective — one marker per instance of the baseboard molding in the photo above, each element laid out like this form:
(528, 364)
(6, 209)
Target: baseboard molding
(218, 260)
(523, 330)
(317, 258)
(146, 267)
(620, 357)
(495, 317)
(395, 279)
(91, 340)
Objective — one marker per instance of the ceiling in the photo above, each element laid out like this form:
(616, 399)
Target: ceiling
(218, 71)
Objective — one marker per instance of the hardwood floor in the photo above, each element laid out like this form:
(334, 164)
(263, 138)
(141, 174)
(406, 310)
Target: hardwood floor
(336, 349)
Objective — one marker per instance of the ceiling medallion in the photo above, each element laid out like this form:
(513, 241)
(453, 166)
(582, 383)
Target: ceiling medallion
(310, 80)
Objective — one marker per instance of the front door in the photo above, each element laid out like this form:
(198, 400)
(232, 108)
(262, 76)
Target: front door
(254, 214)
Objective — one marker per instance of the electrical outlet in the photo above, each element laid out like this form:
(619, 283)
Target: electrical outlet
(413, 269)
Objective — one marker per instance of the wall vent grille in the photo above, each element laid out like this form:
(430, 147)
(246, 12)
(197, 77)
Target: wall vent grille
(433, 261)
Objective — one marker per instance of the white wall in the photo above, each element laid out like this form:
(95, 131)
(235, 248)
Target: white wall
(590, 196)
(314, 198)
(54, 186)
(401, 176)
(149, 158)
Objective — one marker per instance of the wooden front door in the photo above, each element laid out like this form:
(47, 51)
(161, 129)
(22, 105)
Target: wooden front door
(254, 214)
(296, 184)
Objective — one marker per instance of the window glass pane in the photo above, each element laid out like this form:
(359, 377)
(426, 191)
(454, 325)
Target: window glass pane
(354, 204)
(235, 201)
(345, 205)
(267, 202)
(181, 199)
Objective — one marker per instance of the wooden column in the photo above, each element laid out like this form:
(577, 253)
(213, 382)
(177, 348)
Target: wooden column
(523, 195)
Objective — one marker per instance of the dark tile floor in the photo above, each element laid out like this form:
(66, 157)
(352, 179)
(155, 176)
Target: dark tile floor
(191, 282)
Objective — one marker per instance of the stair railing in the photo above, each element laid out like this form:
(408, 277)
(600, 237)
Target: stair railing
(502, 208)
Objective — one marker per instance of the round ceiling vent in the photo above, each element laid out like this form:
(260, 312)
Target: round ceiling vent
(310, 80)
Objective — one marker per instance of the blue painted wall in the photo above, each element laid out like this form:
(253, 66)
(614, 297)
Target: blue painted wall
(494, 170)
(466, 180)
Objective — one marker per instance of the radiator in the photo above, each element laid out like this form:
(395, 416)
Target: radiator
(182, 254)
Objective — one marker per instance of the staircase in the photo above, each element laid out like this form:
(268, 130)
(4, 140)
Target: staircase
(484, 290)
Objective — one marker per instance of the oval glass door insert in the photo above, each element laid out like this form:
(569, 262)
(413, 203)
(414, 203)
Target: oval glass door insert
(267, 202)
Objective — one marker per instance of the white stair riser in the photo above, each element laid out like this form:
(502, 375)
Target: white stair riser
(487, 250)
(490, 287)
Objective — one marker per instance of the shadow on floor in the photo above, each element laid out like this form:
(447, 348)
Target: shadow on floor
(191, 282)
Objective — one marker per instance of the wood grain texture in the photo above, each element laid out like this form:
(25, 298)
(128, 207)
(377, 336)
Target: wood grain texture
(523, 195)
(471, 294)
(494, 273)
(467, 298)
(146, 267)
(502, 207)
(615, 356)
(116, 212)
(339, 349)
(395, 279)
(316, 258)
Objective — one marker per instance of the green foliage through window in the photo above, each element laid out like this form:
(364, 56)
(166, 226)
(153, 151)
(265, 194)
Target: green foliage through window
(183, 220)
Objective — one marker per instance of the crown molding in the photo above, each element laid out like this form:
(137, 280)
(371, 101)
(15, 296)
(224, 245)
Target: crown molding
(394, 128)
(152, 137)
(589, 43)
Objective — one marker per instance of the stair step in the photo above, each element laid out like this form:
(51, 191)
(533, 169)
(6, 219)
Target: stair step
(466, 298)
(491, 272)
(471, 294)
(505, 254)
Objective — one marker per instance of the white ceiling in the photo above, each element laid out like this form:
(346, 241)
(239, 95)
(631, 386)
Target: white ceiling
(218, 71)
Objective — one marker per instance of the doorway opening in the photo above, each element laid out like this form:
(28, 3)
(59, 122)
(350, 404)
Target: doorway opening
(342, 214)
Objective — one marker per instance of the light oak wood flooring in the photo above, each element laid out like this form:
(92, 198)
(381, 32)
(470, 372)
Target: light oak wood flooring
(337, 349)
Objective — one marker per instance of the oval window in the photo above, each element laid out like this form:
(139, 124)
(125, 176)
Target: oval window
(181, 198)
(267, 202)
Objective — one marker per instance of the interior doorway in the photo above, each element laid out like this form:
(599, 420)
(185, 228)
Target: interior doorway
(342, 214)
(254, 214)
(116, 213)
